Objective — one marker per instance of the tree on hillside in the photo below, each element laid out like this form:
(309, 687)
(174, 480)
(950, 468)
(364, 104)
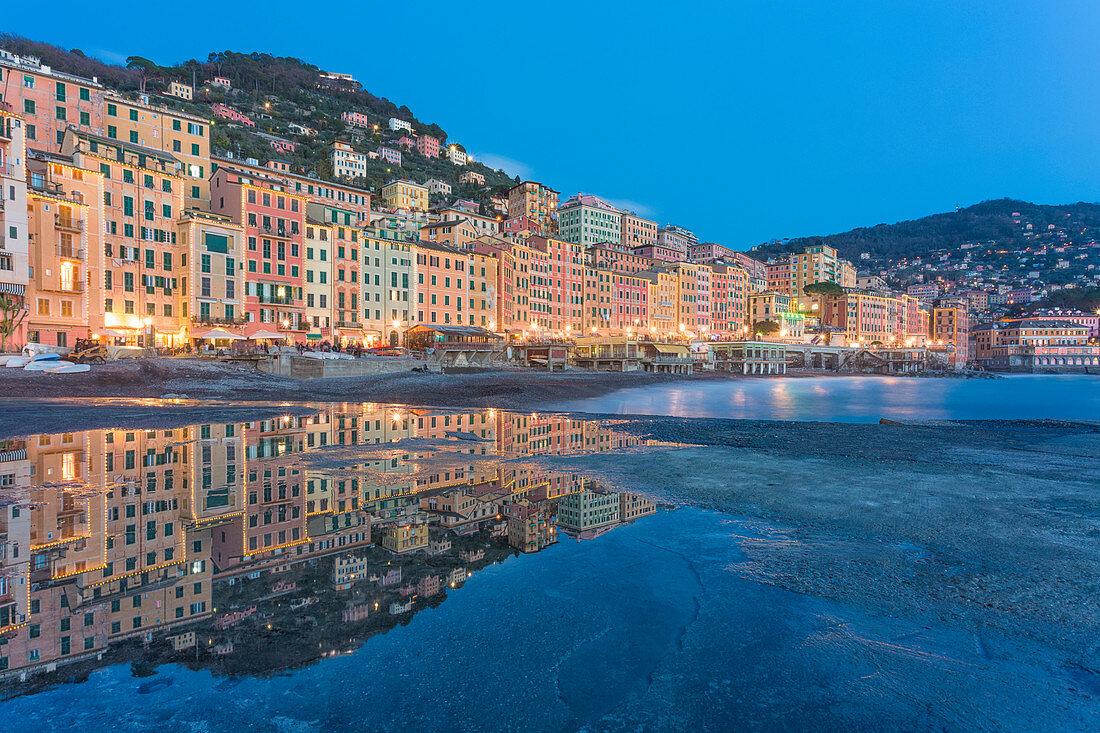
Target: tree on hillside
(823, 288)
(765, 328)
(146, 69)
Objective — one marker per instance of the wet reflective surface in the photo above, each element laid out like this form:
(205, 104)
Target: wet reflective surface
(332, 567)
(249, 548)
(860, 399)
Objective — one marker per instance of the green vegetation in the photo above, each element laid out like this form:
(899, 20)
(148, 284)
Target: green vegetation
(765, 328)
(277, 92)
(1085, 299)
(989, 221)
(823, 288)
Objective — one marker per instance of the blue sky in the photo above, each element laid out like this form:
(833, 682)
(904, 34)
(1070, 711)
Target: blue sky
(741, 120)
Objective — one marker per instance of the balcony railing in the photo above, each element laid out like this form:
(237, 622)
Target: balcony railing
(218, 321)
(68, 252)
(274, 300)
(68, 222)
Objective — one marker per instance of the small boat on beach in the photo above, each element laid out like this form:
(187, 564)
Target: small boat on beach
(42, 365)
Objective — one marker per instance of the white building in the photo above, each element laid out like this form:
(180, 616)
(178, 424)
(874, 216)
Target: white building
(14, 242)
(456, 155)
(396, 124)
(346, 162)
(437, 186)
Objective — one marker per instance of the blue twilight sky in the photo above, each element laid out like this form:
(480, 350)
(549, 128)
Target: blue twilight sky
(741, 120)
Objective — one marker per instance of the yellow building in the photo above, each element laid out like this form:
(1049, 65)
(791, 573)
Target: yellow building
(816, 264)
(405, 537)
(214, 249)
(159, 128)
(404, 194)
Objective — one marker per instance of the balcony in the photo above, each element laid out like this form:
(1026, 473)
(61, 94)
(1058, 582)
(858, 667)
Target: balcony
(67, 222)
(68, 252)
(274, 300)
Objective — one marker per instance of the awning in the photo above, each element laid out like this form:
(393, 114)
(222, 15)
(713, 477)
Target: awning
(220, 333)
(13, 288)
(113, 332)
(266, 335)
(313, 336)
(671, 349)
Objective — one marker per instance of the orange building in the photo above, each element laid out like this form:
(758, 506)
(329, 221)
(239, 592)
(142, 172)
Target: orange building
(137, 278)
(158, 127)
(456, 287)
(49, 101)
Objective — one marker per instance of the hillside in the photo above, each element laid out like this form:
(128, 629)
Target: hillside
(275, 92)
(989, 221)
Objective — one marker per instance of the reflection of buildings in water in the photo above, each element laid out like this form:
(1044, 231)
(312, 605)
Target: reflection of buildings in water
(112, 534)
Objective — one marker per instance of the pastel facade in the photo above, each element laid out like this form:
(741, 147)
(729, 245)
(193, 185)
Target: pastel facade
(318, 284)
(274, 226)
(346, 162)
(181, 91)
(346, 269)
(48, 101)
(817, 263)
(390, 155)
(405, 194)
(157, 127)
(454, 287)
(214, 247)
(427, 146)
(537, 202)
(456, 155)
(473, 178)
(135, 280)
(225, 112)
(14, 233)
(587, 220)
(438, 187)
(637, 231)
(396, 124)
(356, 119)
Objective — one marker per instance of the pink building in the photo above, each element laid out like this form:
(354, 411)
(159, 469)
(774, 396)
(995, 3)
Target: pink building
(356, 119)
(1089, 320)
(228, 113)
(393, 156)
(427, 146)
(472, 177)
(519, 224)
(706, 252)
(659, 252)
(406, 142)
(283, 146)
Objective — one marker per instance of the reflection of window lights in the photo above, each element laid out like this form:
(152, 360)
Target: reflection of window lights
(68, 466)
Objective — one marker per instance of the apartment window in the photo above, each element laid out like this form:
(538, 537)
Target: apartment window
(112, 132)
(112, 110)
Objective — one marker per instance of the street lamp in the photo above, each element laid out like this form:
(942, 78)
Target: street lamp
(286, 323)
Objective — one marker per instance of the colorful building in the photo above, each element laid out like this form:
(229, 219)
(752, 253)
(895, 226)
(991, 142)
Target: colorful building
(157, 127)
(274, 227)
(587, 220)
(537, 202)
(14, 234)
(405, 194)
(427, 146)
(637, 231)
